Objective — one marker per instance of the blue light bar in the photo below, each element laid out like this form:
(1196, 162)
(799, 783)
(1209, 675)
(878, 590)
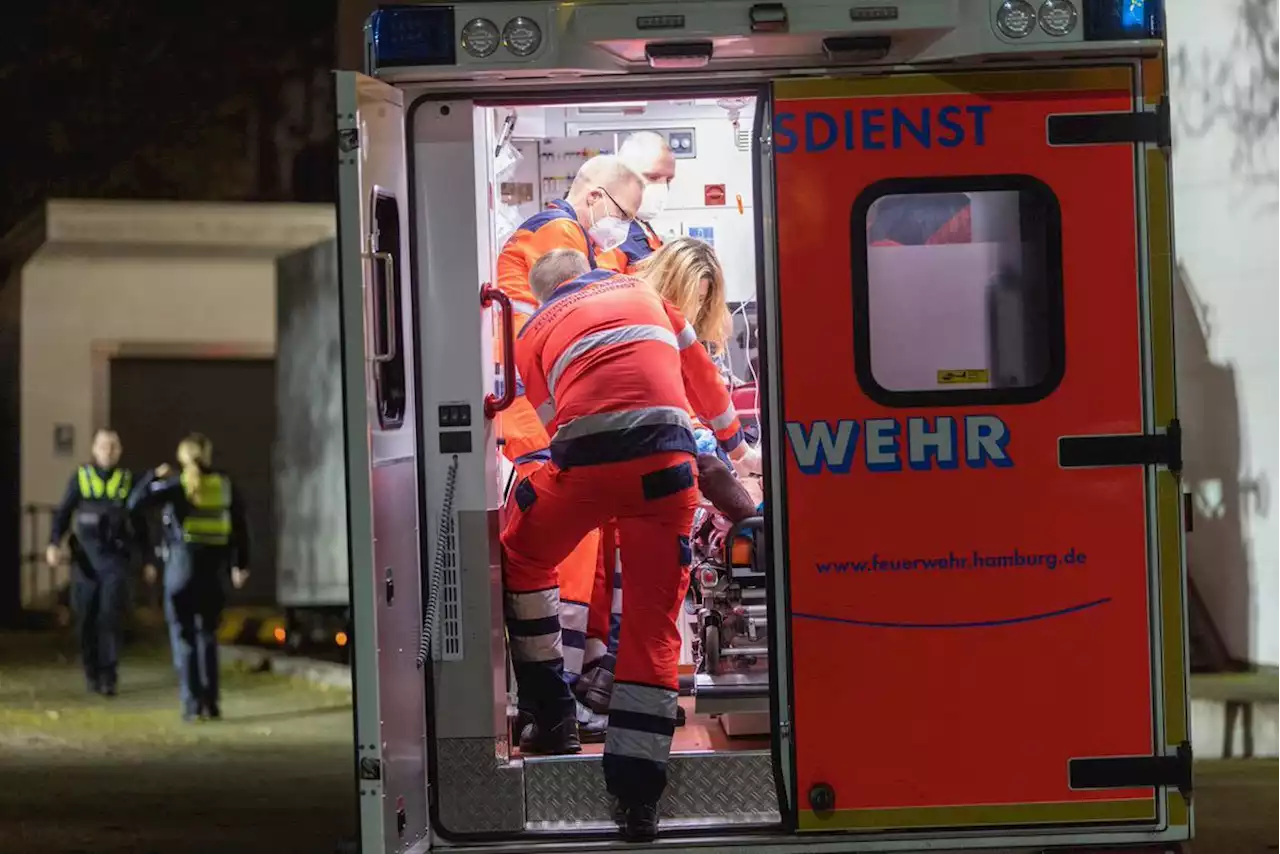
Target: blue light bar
(402, 36)
(1133, 15)
(1123, 20)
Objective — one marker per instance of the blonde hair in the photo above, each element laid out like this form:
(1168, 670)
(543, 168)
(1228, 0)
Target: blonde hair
(676, 272)
(195, 455)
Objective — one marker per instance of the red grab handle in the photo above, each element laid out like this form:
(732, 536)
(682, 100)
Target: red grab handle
(492, 403)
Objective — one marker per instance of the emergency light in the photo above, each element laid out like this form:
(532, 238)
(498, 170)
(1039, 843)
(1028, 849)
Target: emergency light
(413, 35)
(1123, 20)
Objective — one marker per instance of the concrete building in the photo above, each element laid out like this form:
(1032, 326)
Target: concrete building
(114, 313)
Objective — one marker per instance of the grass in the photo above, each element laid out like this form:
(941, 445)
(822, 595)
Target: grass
(80, 773)
(84, 773)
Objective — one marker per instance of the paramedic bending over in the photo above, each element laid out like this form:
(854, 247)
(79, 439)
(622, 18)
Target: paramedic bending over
(205, 530)
(687, 274)
(613, 368)
(593, 218)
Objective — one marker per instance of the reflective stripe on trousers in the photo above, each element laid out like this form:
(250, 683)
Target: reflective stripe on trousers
(652, 499)
(642, 721)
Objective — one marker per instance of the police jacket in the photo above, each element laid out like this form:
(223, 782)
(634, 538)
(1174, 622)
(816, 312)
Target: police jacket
(95, 508)
(211, 515)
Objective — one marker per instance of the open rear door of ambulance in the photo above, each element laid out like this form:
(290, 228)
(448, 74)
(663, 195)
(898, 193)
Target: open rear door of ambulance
(382, 473)
(980, 506)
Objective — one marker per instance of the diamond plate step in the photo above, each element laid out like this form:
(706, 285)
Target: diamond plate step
(703, 789)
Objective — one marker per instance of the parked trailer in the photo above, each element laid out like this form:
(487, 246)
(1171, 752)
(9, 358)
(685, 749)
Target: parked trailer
(313, 575)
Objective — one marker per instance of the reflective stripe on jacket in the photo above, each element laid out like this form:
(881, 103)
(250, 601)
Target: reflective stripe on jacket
(555, 227)
(612, 368)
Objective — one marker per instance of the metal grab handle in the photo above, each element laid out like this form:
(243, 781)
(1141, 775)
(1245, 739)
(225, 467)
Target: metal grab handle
(751, 523)
(389, 298)
(492, 403)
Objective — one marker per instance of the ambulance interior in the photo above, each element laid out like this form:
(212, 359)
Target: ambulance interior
(536, 152)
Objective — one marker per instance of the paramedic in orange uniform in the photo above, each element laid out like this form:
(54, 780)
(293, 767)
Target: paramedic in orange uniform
(593, 219)
(649, 156)
(687, 274)
(612, 369)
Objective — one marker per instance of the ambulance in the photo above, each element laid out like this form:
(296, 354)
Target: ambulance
(946, 226)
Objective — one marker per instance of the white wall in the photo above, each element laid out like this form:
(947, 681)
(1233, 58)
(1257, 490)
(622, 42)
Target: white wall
(718, 161)
(70, 306)
(1225, 194)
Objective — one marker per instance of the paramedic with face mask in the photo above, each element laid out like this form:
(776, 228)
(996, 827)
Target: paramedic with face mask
(593, 219)
(649, 155)
(612, 369)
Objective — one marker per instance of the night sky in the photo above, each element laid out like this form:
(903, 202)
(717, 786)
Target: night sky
(158, 99)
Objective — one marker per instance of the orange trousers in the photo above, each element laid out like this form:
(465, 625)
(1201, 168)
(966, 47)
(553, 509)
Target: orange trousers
(576, 575)
(653, 499)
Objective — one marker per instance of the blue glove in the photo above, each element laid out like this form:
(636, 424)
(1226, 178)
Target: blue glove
(705, 440)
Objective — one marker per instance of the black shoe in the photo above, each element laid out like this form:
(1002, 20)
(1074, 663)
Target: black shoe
(618, 813)
(639, 822)
(212, 712)
(551, 741)
(108, 689)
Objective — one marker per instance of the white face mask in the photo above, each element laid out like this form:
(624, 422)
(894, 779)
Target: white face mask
(654, 201)
(608, 232)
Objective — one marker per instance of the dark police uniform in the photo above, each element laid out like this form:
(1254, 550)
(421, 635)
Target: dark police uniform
(205, 537)
(94, 508)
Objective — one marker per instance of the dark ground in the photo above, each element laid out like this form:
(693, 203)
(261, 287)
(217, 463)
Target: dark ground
(86, 775)
(80, 773)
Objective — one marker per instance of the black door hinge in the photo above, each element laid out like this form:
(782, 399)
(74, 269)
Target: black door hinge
(1144, 126)
(1135, 772)
(1138, 449)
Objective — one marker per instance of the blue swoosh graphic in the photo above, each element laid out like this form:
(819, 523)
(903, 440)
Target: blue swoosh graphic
(982, 624)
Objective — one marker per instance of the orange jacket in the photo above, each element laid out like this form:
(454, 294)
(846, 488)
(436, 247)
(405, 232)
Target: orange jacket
(611, 368)
(556, 227)
(642, 241)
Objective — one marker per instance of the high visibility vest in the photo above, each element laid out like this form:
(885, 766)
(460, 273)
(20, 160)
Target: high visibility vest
(208, 521)
(94, 488)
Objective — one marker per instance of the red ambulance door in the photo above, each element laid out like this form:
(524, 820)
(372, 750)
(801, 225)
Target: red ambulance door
(969, 596)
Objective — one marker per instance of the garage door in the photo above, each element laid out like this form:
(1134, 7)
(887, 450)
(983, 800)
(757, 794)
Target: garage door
(155, 402)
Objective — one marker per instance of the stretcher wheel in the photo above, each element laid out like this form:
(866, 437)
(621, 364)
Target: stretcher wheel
(711, 649)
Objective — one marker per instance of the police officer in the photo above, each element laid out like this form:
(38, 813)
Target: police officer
(94, 509)
(206, 538)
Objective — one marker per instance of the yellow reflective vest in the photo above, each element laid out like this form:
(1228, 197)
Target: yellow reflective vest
(93, 488)
(208, 521)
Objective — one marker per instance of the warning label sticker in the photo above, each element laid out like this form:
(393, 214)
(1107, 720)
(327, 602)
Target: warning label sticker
(969, 377)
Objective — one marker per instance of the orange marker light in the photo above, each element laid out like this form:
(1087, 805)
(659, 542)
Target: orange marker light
(279, 634)
(340, 638)
(741, 210)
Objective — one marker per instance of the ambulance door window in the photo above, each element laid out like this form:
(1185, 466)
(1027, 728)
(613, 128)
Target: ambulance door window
(388, 337)
(958, 290)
